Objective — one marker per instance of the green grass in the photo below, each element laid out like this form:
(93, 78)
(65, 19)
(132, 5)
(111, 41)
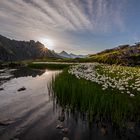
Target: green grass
(89, 98)
(48, 66)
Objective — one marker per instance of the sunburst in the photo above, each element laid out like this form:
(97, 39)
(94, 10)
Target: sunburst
(48, 43)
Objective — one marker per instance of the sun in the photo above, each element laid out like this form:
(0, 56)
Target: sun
(48, 42)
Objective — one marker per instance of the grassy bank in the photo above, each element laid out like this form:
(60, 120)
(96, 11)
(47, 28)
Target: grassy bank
(47, 66)
(89, 98)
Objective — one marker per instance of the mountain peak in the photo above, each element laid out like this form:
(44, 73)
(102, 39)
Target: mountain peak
(22, 50)
(71, 55)
(64, 52)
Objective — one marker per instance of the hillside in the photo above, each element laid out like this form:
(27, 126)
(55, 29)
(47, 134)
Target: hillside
(12, 50)
(124, 54)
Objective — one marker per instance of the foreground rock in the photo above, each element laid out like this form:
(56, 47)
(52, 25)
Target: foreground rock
(21, 89)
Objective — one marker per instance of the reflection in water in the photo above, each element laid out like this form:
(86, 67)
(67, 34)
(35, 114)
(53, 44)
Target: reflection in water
(7, 74)
(20, 112)
(33, 114)
(76, 97)
(25, 71)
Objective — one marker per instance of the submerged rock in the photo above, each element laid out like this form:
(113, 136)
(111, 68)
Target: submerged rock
(14, 139)
(131, 125)
(59, 126)
(103, 130)
(1, 89)
(65, 130)
(6, 122)
(65, 138)
(3, 124)
(21, 89)
(61, 118)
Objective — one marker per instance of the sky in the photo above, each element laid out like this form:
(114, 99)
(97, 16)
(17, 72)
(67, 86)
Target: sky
(76, 26)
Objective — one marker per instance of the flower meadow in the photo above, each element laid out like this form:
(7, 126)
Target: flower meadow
(124, 79)
(100, 92)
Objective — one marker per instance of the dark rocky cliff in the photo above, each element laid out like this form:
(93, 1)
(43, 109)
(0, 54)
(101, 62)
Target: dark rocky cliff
(12, 50)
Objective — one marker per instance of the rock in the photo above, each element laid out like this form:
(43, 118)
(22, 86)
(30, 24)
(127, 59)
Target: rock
(65, 138)
(65, 130)
(61, 118)
(21, 89)
(1, 89)
(103, 130)
(4, 123)
(14, 139)
(98, 124)
(59, 126)
(131, 125)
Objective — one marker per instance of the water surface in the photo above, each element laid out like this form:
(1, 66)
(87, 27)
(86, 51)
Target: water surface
(33, 114)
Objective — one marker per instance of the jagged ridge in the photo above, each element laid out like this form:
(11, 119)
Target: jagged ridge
(12, 50)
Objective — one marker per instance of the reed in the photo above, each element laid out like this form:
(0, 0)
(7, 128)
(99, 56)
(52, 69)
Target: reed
(89, 98)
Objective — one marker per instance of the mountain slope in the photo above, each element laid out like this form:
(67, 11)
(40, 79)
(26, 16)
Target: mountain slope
(22, 50)
(124, 54)
(71, 55)
(64, 54)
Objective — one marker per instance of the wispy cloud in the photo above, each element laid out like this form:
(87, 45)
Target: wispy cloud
(66, 14)
(28, 18)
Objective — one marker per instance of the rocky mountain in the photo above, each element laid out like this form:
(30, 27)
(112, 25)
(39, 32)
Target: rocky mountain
(71, 55)
(12, 50)
(124, 54)
(64, 54)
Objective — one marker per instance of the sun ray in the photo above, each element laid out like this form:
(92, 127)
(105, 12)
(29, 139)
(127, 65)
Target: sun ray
(48, 43)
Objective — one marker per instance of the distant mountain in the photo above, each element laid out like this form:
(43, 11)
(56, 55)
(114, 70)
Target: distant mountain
(124, 54)
(12, 50)
(66, 55)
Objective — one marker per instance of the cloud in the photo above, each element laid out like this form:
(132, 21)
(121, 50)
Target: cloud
(65, 14)
(35, 18)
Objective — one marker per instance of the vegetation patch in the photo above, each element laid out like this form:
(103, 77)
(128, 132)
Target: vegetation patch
(89, 98)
